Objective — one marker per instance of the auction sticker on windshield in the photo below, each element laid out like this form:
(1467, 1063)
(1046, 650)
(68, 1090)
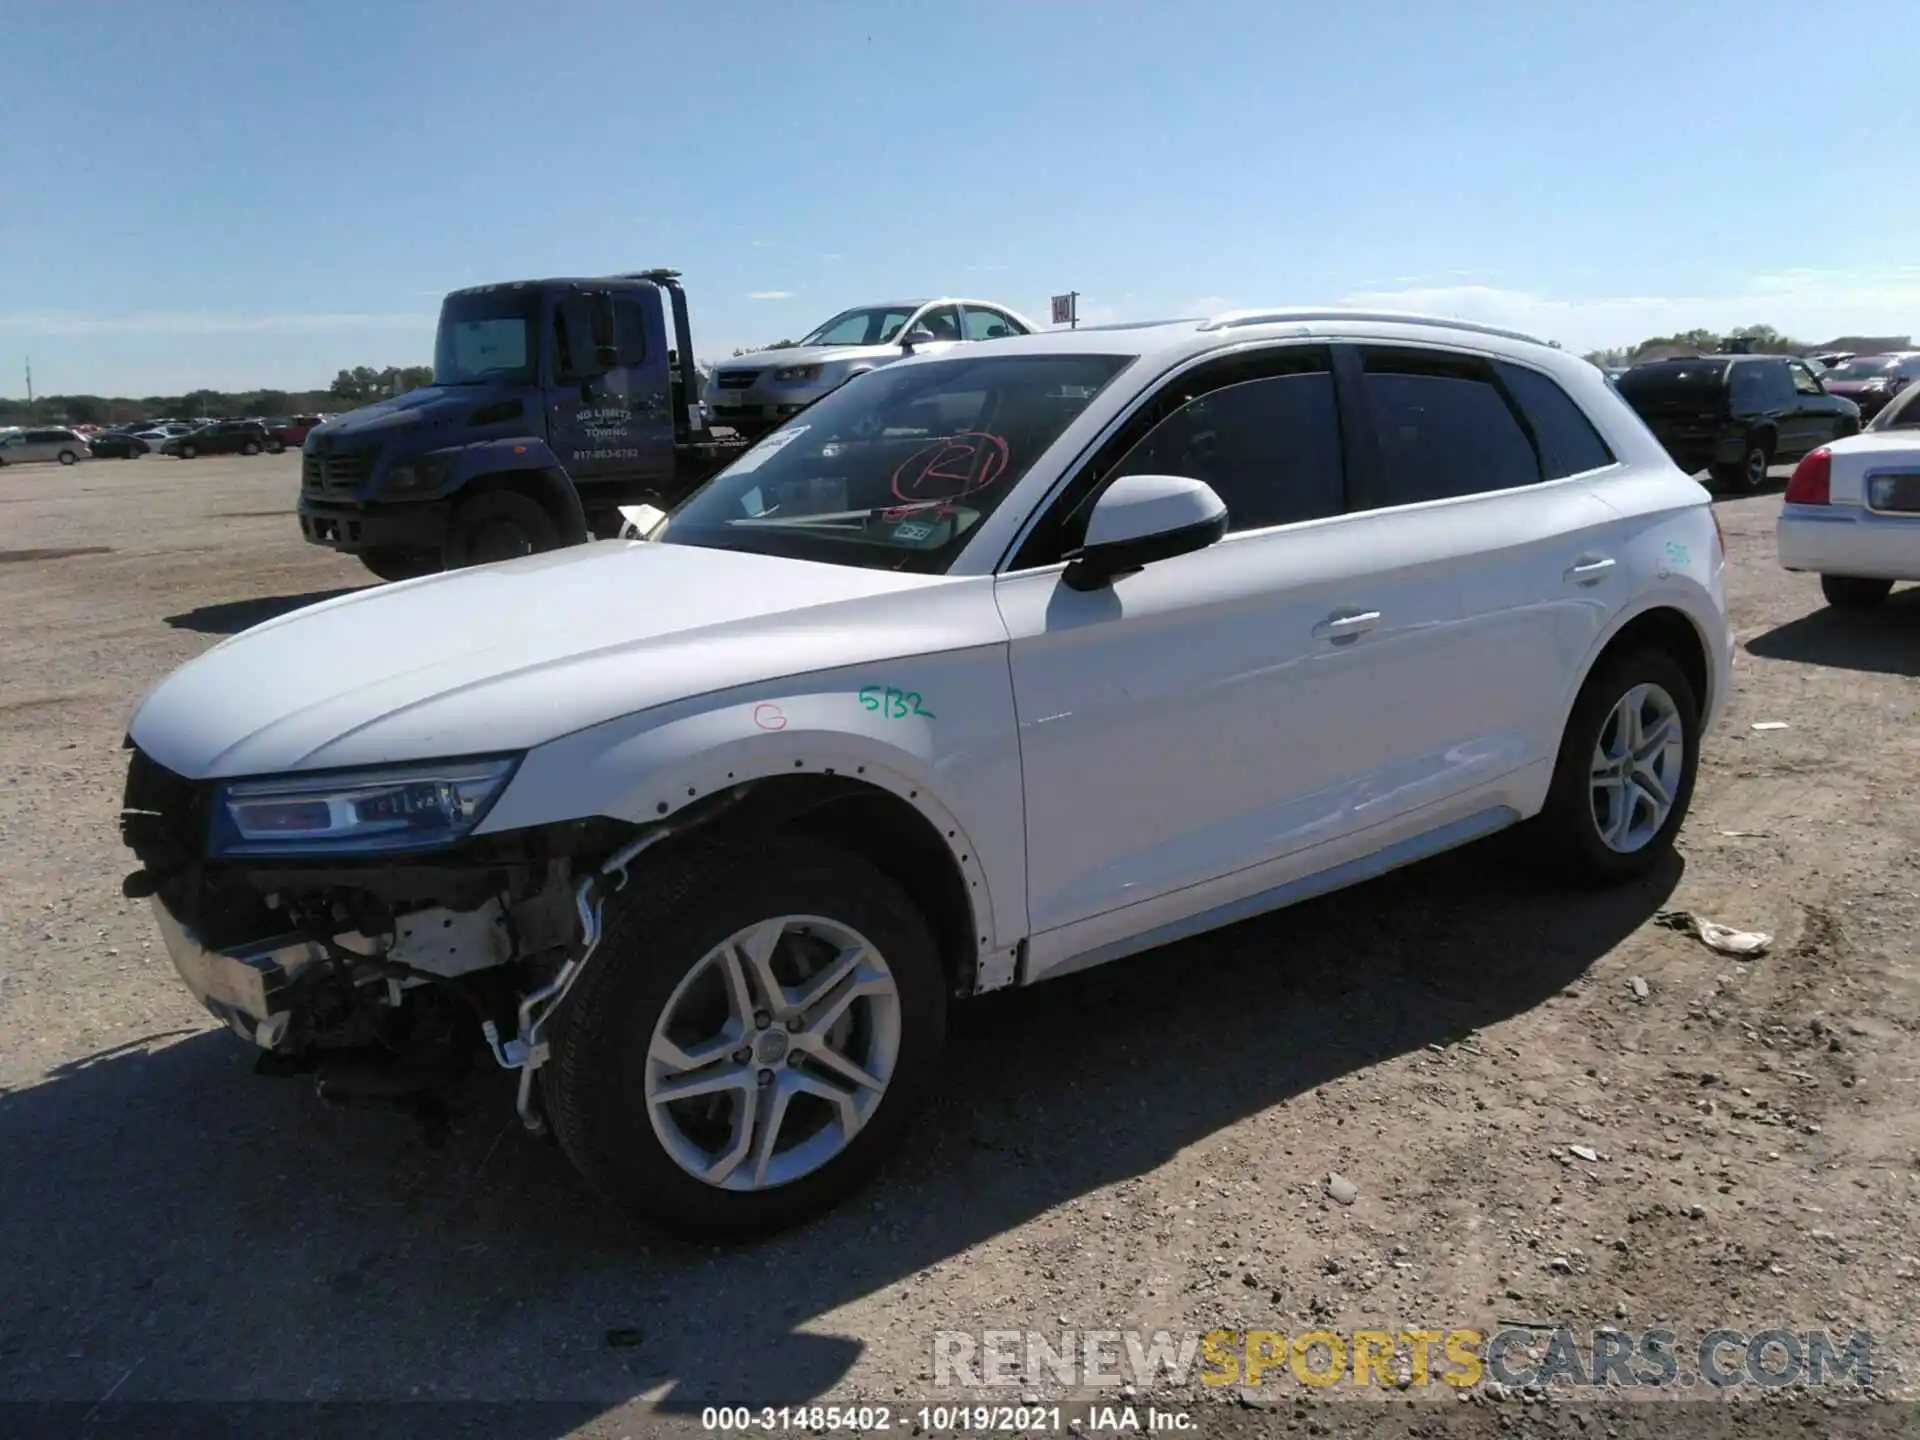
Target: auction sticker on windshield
(767, 449)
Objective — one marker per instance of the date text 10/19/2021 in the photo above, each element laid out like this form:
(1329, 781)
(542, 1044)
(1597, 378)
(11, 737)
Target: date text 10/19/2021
(940, 1419)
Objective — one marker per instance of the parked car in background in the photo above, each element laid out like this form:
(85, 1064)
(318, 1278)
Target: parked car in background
(754, 393)
(1829, 359)
(1852, 515)
(47, 443)
(1870, 381)
(119, 445)
(1900, 413)
(1735, 415)
(158, 435)
(223, 437)
(289, 432)
(997, 665)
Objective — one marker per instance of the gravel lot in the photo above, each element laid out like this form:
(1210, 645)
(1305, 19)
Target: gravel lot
(1145, 1146)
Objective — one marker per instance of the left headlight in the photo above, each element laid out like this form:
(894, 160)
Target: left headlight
(357, 812)
(799, 372)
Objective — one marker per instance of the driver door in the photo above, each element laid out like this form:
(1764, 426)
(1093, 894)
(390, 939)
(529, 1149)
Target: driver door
(616, 425)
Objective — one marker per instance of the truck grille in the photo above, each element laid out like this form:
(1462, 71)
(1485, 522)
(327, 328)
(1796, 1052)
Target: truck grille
(334, 474)
(735, 379)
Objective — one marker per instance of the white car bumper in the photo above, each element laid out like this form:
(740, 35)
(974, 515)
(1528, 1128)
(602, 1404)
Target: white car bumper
(1849, 540)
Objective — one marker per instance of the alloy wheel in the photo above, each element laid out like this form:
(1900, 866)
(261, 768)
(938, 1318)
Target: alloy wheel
(1638, 763)
(773, 1053)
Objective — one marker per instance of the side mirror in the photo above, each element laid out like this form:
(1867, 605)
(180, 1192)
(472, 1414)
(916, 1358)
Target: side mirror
(1139, 519)
(918, 335)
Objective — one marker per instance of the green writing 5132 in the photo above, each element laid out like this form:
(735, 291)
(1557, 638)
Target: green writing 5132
(894, 704)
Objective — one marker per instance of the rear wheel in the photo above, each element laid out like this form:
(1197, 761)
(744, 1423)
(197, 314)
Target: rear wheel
(499, 525)
(1851, 592)
(390, 563)
(250, 447)
(187, 452)
(750, 1040)
(1749, 476)
(1625, 773)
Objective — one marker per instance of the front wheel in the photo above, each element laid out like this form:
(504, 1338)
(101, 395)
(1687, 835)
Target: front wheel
(252, 447)
(750, 1040)
(67, 457)
(1625, 773)
(395, 564)
(498, 525)
(1851, 592)
(187, 452)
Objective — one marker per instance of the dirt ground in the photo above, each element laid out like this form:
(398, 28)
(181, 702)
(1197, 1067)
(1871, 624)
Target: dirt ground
(1143, 1147)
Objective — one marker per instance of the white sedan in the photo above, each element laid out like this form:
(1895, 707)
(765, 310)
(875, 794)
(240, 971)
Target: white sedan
(994, 665)
(1852, 511)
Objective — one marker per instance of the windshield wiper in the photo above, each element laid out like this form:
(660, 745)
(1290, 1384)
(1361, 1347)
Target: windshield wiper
(839, 517)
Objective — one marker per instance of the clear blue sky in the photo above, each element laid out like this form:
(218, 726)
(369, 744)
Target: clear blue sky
(231, 195)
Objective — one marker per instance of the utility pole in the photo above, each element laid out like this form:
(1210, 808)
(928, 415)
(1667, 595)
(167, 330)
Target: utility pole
(29, 379)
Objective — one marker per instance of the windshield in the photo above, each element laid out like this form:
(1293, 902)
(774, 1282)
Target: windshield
(1875, 367)
(895, 469)
(876, 325)
(485, 337)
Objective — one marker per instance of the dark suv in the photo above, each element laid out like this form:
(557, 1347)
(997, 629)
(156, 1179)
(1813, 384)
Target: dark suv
(1737, 414)
(223, 437)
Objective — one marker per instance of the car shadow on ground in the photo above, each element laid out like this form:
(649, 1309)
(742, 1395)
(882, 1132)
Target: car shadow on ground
(1883, 641)
(213, 1236)
(232, 616)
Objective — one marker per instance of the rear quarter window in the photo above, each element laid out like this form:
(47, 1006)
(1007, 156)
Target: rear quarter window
(1569, 445)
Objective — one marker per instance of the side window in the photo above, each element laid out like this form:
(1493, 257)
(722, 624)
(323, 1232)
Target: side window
(1270, 448)
(1745, 388)
(1804, 382)
(1443, 427)
(943, 321)
(572, 335)
(1777, 383)
(1569, 445)
(629, 330)
(1261, 428)
(989, 324)
(1910, 368)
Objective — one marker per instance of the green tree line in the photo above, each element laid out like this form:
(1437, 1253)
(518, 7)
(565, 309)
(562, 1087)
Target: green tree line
(350, 388)
(1760, 339)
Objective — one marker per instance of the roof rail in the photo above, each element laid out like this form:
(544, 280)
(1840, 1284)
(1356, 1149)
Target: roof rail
(1234, 318)
(654, 275)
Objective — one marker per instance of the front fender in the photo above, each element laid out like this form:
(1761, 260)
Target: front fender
(467, 463)
(959, 766)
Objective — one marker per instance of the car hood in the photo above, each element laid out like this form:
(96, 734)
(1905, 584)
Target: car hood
(805, 355)
(504, 657)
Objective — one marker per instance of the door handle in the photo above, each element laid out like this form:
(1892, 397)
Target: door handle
(1345, 626)
(1589, 571)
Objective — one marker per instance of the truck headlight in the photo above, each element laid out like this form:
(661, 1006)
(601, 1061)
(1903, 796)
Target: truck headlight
(419, 476)
(381, 811)
(799, 372)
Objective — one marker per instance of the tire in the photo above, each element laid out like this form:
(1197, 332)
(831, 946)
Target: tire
(187, 452)
(252, 447)
(1851, 592)
(659, 938)
(395, 564)
(1749, 476)
(1568, 829)
(498, 525)
(276, 447)
(67, 457)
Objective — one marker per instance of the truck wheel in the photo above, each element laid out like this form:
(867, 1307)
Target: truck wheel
(1851, 592)
(499, 525)
(750, 1040)
(1748, 476)
(1624, 777)
(395, 564)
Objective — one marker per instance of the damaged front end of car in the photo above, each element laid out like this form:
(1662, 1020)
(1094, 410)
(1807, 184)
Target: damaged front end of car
(350, 925)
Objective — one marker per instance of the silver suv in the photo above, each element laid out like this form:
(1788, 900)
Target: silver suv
(754, 393)
(54, 443)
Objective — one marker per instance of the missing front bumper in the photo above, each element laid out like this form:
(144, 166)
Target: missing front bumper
(249, 988)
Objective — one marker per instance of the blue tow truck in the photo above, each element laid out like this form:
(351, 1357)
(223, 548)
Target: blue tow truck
(553, 404)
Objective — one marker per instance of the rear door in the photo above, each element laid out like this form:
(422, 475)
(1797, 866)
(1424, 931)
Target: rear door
(1488, 566)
